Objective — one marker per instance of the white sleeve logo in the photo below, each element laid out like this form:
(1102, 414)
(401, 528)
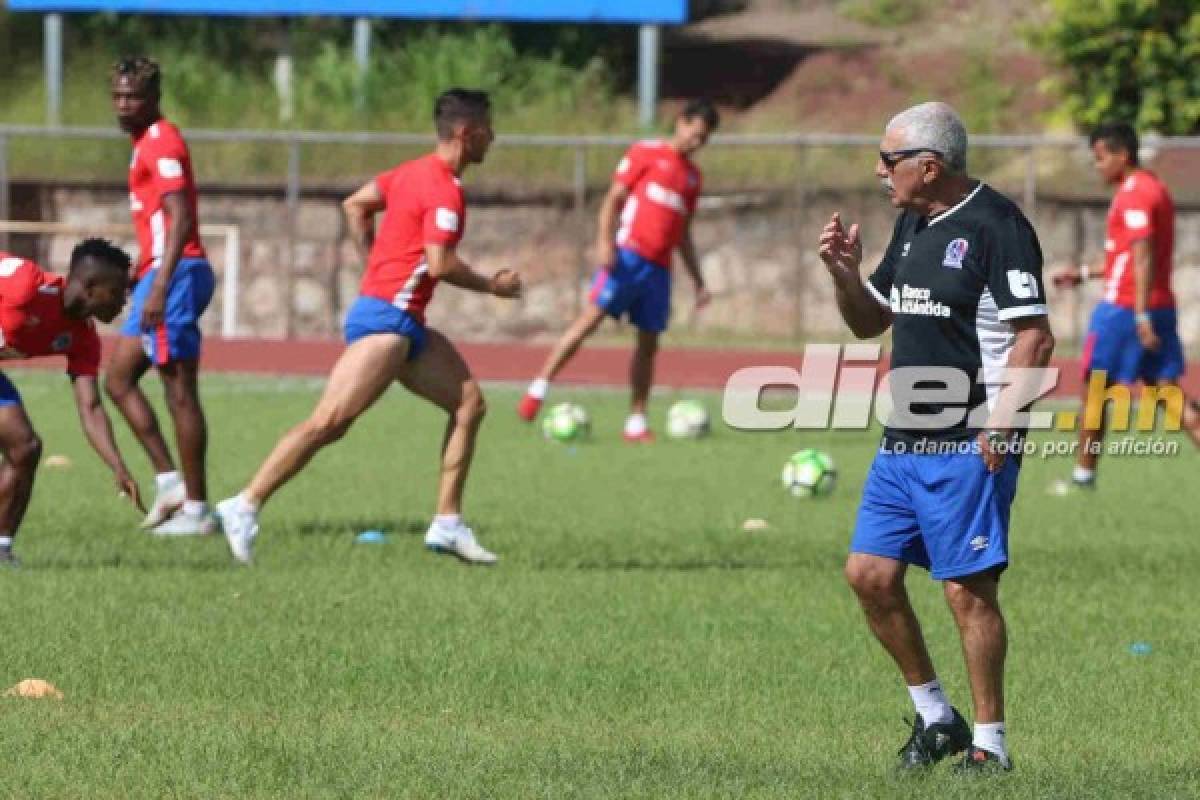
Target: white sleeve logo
(623, 165)
(446, 220)
(170, 168)
(1136, 219)
(1022, 285)
(9, 266)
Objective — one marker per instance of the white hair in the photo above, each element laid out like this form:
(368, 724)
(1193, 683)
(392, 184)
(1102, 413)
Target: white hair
(934, 126)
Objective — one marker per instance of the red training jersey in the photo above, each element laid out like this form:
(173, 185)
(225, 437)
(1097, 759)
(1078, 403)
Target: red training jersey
(423, 205)
(33, 322)
(664, 186)
(1141, 209)
(160, 166)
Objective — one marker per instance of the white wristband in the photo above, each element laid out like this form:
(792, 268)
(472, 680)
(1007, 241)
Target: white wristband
(1085, 273)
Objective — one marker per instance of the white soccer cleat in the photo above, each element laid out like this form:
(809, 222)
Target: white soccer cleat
(185, 524)
(240, 525)
(166, 502)
(458, 541)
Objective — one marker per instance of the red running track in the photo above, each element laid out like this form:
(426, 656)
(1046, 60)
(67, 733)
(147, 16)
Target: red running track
(683, 368)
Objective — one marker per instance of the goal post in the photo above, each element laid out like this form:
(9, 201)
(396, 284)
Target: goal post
(230, 237)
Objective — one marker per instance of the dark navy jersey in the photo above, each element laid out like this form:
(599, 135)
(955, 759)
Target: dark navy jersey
(955, 283)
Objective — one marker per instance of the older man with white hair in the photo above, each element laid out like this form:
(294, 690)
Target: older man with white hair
(960, 285)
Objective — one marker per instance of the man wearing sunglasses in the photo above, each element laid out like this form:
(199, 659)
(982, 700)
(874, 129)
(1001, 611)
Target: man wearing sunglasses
(960, 285)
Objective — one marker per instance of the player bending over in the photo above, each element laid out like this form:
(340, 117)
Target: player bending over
(43, 314)
(654, 194)
(386, 337)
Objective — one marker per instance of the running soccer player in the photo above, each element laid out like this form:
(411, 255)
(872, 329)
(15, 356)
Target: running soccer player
(424, 216)
(653, 194)
(174, 284)
(960, 285)
(43, 314)
(1133, 333)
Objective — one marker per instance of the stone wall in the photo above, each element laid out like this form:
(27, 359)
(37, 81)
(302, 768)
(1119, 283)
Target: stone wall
(757, 252)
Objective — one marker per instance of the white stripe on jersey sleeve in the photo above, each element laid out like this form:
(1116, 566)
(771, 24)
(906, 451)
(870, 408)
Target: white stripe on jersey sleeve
(1037, 310)
(883, 301)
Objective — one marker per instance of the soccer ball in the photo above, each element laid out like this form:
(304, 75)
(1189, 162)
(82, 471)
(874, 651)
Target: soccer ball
(687, 419)
(809, 473)
(566, 422)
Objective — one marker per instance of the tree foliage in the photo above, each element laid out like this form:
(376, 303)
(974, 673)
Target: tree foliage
(1133, 60)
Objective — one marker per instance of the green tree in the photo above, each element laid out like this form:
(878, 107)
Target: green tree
(1136, 60)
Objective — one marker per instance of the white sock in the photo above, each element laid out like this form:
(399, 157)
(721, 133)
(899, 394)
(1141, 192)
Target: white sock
(195, 508)
(165, 480)
(6, 542)
(990, 736)
(246, 504)
(635, 425)
(1083, 475)
(447, 520)
(538, 389)
(931, 703)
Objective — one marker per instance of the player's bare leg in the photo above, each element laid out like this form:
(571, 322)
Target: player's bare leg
(975, 601)
(122, 383)
(361, 375)
(641, 379)
(879, 584)
(938, 729)
(126, 367)
(564, 350)
(191, 430)
(1087, 456)
(180, 384)
(22, 450)
(976, 606)
(441, 376)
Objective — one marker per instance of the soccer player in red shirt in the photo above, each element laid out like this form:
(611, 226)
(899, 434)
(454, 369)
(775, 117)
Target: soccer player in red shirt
(653, 196)
(43, 314)
(1133, 332)
(416, 247)
(174, 284)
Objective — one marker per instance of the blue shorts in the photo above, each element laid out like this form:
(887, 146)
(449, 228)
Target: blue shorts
(637, 287)
(370, 315)
(179, 337)
(943, 512)
(1113, 346)
(9, 396)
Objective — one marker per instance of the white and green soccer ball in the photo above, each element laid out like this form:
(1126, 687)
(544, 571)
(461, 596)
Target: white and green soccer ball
(687, 419)
(809, 473)
(566, 422)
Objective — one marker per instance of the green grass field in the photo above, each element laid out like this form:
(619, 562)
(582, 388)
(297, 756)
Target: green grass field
(633, 641)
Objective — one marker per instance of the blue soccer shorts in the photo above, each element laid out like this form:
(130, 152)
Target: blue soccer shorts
(179, 337)
(635, 287)
(944, 512)
(9, 396)
(370, 315)
(1112, 345)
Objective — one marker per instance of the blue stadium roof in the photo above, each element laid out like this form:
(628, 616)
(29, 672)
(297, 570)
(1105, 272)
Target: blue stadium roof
(611, 11)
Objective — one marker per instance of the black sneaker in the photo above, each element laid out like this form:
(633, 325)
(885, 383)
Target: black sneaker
(927, 746)
(7, 559)
(978, 761)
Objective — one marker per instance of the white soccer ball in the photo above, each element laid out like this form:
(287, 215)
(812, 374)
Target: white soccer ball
(687, 419)
(809, 473)
(566, 422)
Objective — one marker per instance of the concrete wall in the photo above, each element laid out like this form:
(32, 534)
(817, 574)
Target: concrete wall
(757, 250)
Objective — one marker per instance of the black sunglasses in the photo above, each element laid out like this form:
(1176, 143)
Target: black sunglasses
(891, 158)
